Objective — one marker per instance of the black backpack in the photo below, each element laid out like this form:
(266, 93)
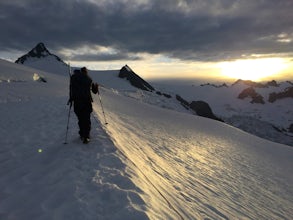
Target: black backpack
(80, 86)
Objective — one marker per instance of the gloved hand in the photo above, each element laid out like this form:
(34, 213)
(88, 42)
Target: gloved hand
(70, 101)
(95, 88)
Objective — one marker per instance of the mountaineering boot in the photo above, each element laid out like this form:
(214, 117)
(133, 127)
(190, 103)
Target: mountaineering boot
(86, 140)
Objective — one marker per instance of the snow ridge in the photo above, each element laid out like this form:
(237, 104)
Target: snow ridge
(199, 165)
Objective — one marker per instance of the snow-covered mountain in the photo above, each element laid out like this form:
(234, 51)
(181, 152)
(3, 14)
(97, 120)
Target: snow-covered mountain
(231, 104)
(152, 161)
(247, 105)
(40, 58)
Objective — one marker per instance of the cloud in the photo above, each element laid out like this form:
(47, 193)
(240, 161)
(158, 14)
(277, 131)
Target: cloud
(97, 53)
(185, 29)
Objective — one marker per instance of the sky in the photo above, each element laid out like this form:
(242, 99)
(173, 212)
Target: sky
(157, 38)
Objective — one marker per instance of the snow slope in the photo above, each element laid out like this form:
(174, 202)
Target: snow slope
(147, 163)
(270, 120)
(224, 101)
(195, 168)
(40, 177)
(50, 63)
(264, 120)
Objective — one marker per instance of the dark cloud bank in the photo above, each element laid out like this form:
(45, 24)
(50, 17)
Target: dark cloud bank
(206, 30)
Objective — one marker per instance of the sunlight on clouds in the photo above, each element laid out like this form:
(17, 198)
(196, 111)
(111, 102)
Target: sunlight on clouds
(252, 69)
(87, 50)
(159, 66)
(284, 38)
(128, 5)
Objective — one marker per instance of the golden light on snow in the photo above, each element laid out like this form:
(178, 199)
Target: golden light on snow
(252, 69)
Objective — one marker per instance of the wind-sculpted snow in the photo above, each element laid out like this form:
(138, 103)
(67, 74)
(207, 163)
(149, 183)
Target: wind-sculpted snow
(194, 168)
(147, 163)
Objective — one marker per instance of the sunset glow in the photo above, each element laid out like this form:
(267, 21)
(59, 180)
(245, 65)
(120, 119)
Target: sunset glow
(252, 69)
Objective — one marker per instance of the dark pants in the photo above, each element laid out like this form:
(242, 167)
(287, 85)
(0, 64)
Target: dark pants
(83, 112)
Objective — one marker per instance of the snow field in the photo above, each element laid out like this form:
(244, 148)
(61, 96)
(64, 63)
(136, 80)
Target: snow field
(147, 163)
(40, 177)
(70, 181)
(194, 168)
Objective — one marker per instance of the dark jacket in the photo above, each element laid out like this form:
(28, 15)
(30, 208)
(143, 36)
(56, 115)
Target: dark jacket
(81, 86)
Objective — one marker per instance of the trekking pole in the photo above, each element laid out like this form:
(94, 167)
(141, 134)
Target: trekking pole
(102, 108)
(65, 142)
(70, 105)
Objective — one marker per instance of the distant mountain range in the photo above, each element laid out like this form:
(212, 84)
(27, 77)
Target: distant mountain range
(244, 104)
(257, 98)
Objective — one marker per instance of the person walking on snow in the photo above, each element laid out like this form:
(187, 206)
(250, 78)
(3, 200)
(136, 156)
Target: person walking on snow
(81, 86)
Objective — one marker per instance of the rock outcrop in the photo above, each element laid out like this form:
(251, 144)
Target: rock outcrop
(288, 93)
(250, 92)
(256, 84)
(201, 108)
(134, 79)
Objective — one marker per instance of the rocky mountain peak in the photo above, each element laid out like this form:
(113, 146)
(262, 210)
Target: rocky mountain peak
(134, 79)
(253, 84)
(39, 51)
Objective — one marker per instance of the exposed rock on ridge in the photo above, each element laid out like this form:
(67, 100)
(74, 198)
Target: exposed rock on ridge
(250, 92)
(201, 108)
(288, 93)
(39, 51)
(134, 79)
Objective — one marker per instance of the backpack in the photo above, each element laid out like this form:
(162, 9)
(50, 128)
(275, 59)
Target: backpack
(80, 85)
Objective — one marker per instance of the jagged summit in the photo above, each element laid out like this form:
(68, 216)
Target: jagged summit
(251, 83)
(40, 58)
(39, 51)
(134, 79)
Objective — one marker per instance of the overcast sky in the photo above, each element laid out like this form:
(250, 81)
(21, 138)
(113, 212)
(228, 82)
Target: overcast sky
(112, 30)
